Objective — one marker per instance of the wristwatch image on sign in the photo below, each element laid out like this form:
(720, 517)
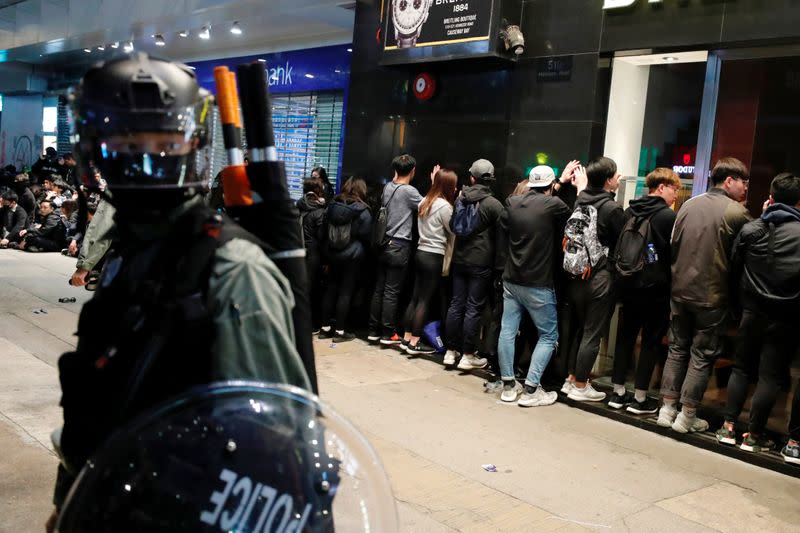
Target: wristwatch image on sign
(408, 16)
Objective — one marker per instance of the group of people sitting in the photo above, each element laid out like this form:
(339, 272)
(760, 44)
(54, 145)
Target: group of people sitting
(40, 208)
(562, 252)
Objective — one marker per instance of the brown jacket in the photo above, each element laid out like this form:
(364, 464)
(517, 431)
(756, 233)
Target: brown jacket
(702, 241)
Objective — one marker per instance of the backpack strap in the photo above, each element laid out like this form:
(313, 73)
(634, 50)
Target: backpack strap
(392, 195)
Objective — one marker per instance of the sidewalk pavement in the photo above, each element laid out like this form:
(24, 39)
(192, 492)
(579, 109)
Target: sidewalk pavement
(558, 468)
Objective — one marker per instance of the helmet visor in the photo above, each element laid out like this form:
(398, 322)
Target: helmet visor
(141, 149)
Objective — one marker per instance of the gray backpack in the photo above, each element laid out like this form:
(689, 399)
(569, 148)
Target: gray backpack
(582, 248)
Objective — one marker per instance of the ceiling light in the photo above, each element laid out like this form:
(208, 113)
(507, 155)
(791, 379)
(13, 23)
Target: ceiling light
(263, 60)
(128, 46)
(670, 58)
(160, 40)
(236, 29)
(310, 76)
(349, 49)
(183, 33)
(337, 71)
(115, 45)
(205, 33)
(87, 50)
(101, 47)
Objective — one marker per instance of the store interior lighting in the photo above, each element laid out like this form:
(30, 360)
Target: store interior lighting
(101, 48)
(699, 56)
(128, 46)
(87, 50)
(160, 40)
(205, 33)
(236, 29)
(115, 45)
(183, 33)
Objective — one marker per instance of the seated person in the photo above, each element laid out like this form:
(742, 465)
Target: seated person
(61, 193)
(12, 217)
(47, 236)
(69, 213)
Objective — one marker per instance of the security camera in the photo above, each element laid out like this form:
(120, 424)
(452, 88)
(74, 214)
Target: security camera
(513, 38)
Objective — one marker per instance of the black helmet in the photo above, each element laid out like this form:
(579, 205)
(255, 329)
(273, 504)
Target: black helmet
(140, 120)
(241, 456)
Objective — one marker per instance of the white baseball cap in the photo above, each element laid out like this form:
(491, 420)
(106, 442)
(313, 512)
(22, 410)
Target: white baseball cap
(541, 176)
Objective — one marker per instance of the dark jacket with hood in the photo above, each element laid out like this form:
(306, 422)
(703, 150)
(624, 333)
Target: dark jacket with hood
(52, 228)
(769, 273)
(534, 225)
(610, 216)
(345, 211)
(481, 248)
(312, 212)
(662, 219)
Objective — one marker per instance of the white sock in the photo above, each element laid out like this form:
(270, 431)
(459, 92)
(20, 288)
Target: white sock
(325, 328)
(619, 390)
(640, 395)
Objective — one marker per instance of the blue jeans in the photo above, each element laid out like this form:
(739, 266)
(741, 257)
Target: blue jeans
(540, 303)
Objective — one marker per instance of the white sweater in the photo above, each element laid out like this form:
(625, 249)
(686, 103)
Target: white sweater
(435, 227)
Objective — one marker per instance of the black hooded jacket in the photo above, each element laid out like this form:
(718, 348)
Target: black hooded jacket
(312, 212)
(534, 224)
(610, 216)
(662, 219)
(480, 249)
(345, 211)
(769, 273)
(52, 228)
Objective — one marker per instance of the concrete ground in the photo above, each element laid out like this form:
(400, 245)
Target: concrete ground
(558, 469)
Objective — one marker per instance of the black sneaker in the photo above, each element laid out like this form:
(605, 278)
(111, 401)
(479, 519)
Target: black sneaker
(647, 407)
(374, 337)
(420, 348)
(619, 401)
(326, 334)
(343, 336)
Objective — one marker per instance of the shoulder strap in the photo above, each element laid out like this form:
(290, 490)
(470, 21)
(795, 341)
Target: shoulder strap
(392, 195)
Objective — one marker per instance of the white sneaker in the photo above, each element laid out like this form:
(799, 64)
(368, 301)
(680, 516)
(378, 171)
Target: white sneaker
(510, 395)
(450, 357)
(586, 394)
(567, 387)
(539, 398)
(666, 416)
(689, 424)
(470, 362)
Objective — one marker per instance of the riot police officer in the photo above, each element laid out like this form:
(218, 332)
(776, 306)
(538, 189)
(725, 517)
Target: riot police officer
(186, 296)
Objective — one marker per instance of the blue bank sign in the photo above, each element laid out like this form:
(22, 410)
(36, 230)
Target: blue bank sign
(314, 69)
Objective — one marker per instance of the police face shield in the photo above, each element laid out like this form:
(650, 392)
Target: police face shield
(242, 457)
(141, 151)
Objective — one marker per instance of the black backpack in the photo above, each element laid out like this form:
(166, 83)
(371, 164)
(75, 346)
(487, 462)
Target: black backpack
(636, 258)
(379, 237)
(339, 235)
(466, 217)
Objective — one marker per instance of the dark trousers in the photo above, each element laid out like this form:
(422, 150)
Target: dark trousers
(392, 268)
(492, 318)
(646, 310)
(315, 293)
(592, 302)
(470, 287)
(695, 342)
(794, 420)
(427, 279)
(44, 245)
(339, 292)
(764, 347)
